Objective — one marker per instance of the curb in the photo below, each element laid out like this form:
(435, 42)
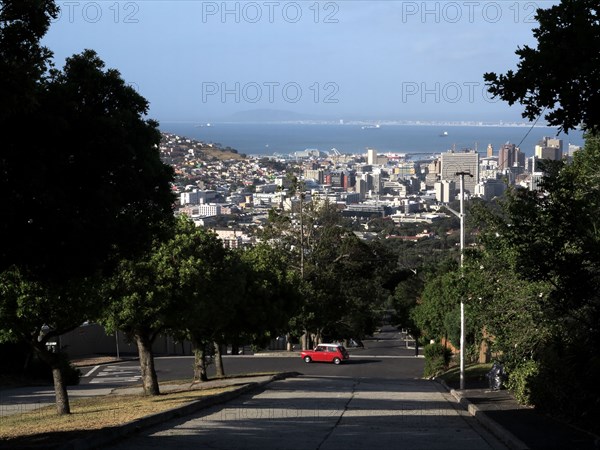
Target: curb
(106, 436)
(293, 354)
(105, 363)
(496, 429)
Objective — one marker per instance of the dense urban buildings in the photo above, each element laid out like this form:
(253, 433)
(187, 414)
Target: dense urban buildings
(232, 194)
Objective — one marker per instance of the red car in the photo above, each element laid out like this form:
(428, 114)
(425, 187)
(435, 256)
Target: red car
(334, 353)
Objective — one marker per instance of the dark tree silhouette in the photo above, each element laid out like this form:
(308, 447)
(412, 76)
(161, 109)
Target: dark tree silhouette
(81, 182)
(562, 75)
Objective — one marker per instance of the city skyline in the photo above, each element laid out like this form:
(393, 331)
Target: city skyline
(207, 61)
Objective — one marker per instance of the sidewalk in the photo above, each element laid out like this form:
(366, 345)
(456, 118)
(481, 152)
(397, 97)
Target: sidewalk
(520, 427)
(92, 439)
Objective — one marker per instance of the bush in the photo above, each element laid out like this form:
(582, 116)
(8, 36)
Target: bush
(71, 373)
(437, 358)
(38, 369)
(521, 381)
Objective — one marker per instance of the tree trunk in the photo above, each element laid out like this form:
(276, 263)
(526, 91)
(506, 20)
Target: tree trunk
(149, 378)
(416, 346)
(218, 361)
(60, 388)
(60, 391)
(199, 364)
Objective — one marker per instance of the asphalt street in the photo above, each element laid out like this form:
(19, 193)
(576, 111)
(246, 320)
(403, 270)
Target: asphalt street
(326, 413)
(376, 400)
(385, 356)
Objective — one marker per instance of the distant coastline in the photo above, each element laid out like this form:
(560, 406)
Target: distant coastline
(201, 124)
(352, 137)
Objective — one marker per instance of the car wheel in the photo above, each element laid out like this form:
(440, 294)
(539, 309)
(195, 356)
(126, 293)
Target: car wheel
(337, 360)
(307, 359)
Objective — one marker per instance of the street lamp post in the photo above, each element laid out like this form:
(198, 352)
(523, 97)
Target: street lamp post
(461, 216)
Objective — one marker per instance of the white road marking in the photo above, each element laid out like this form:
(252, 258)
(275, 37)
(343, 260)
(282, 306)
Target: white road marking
(90, 372)
(117, 374)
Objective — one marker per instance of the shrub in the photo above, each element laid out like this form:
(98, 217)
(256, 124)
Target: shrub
(437, 358)
(71, 373)
(37, 369)
(521, 381)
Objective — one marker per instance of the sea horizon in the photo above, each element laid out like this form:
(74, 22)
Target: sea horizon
(354, 137)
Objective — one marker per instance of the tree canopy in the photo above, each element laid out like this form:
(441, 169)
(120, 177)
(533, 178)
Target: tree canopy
(89, 182)
(562, 75)
(81, 181)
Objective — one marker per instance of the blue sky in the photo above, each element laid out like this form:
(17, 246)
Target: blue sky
(379, 59)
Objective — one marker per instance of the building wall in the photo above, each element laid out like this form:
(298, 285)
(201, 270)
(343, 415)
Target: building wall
(92, 339)
(371, 156)
(466, 161)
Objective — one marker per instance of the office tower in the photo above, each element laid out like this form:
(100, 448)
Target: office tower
(465, 161)
(507, 156)
(549, 148)
(445, 191)
(371, 156)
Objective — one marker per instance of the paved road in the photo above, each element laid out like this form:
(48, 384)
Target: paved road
(384, 357)
(326, 413)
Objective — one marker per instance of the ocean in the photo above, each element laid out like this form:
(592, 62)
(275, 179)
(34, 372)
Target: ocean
(426, 140)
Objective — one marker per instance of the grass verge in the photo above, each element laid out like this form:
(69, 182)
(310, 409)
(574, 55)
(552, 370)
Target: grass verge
(94, 413)
(474, 374)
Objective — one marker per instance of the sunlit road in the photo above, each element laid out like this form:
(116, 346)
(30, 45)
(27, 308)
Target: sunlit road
(323, 413)
(376, 400)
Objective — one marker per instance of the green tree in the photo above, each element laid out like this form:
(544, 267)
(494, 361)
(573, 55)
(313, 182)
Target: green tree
(439, 298)
(568, 86)
(211, 284)
(182, 287)
(37, 312)
(407, 291)
(343, 276)
(23, 60)
(98, 189)
(551, 237)
(271, 296)
(141, 303)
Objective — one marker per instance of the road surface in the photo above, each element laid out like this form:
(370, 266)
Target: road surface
(326, 413)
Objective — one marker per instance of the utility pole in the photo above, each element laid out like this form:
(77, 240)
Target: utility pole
(461, 216)
(305, 338)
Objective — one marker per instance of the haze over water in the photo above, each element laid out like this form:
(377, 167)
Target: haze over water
(270, 139)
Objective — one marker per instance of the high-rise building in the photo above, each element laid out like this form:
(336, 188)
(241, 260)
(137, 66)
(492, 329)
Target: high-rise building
(377, 182)
(432, 172)
(507, 156)
(335, 179)
(371, 156)
(315, 174)
(490, 151)
(445, 191)
(361, 188)
(549, 148)
(465, 161)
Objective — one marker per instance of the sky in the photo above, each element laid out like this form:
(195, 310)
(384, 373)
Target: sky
(202, 61)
